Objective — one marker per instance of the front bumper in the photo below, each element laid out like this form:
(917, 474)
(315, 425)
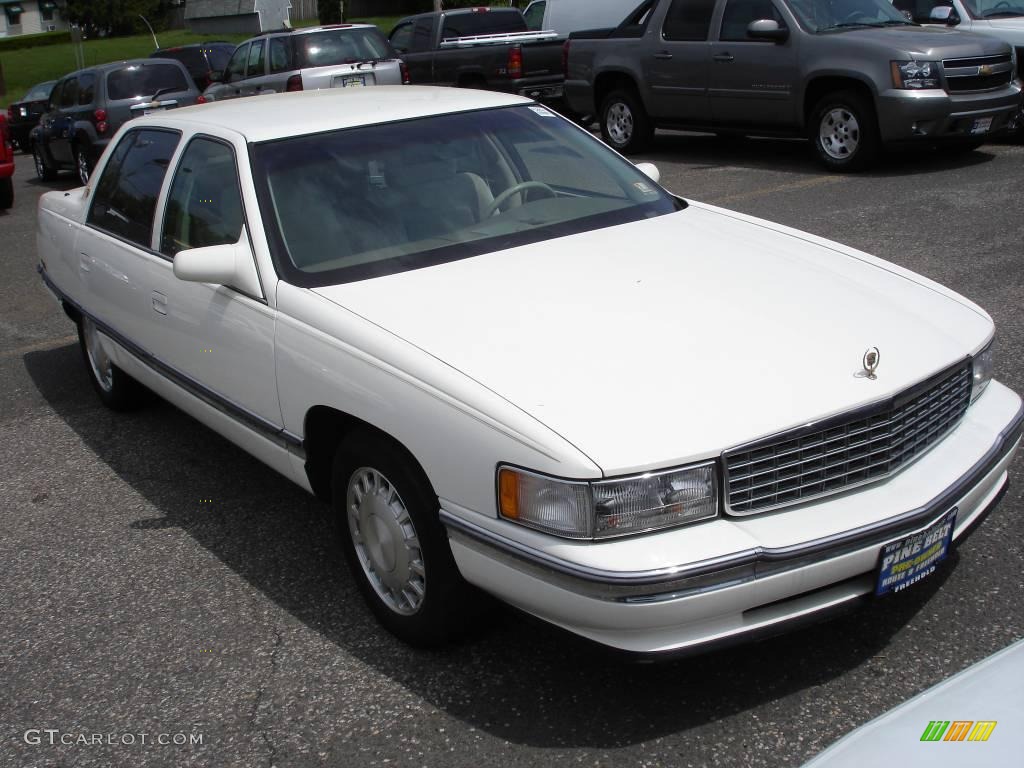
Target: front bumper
(740, 576)
(937, 115)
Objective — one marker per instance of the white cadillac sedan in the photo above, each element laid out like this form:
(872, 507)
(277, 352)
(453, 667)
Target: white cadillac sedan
(509, 359)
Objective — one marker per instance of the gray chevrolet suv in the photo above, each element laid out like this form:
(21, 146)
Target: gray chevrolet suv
(333, 56)
(850, 75)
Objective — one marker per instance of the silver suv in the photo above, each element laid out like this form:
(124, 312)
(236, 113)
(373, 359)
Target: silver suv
(334, 56)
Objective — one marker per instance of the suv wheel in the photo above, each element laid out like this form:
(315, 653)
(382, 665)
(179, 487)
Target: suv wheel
(82, 165)
(844, 131)
(43, 171)
(6, 193)
(625, 125)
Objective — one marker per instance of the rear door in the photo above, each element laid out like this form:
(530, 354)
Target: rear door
(677, 61)
(62, 123)
(753, 82)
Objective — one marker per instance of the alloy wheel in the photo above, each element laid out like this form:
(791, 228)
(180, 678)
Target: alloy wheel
(102, 368)
(619, 122)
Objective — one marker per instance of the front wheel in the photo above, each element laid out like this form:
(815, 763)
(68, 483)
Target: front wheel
(117, 390)
(844, 131)
(43, 170)
(395, 545)
(6, 193)
(625, 125)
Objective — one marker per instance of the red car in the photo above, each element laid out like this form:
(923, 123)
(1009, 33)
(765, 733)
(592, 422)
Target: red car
(6, 166)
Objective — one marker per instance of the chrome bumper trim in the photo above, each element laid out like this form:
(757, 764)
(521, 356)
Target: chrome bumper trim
(709, 575)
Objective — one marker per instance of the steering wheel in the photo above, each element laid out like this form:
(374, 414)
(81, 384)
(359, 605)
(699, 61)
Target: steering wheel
(492, 209)
(1001, 4)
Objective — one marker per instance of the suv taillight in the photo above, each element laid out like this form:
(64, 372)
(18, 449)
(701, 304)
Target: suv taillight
(294, 83)
(405, 72)
(515, 61)
(99, 117)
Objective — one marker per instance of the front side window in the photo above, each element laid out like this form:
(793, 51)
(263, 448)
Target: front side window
(69, 93)
(739, 13)
(236, 67)
(401, 37)
(375, 200)
(422, 35)
(688, 20)
(125, 199)
(204, 206)
(992, 9)
(255, 67)
(534, 15)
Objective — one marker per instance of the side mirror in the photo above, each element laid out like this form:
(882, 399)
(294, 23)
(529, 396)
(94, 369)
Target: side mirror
(230, 264)
(650, 170)
(944, 14)
(767, 29)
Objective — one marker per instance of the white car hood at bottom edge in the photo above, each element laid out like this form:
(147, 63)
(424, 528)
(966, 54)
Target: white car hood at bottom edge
(651, 343)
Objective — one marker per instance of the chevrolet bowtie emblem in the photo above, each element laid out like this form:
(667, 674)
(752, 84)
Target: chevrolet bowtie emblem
(984, 69)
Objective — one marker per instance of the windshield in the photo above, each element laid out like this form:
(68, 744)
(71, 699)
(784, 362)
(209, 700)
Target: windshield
(40, 92)
(341, 46)
(365, 202)
(835, 15)
(994, 9)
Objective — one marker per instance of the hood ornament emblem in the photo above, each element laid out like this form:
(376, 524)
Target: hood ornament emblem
(872, 357)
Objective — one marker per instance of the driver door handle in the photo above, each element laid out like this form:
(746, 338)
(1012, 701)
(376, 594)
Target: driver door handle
(663, 55)
(725, 58)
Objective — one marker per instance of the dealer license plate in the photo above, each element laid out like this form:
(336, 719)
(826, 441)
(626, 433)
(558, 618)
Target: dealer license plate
(907, 561)
(982, 125)
(349, 82)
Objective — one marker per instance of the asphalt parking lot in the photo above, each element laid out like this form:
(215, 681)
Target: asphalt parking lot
(159, 585)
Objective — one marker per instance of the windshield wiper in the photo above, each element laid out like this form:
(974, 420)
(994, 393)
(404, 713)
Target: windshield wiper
(867, 24)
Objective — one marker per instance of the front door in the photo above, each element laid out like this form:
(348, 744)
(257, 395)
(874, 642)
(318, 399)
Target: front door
(753, 82)
(676, 69)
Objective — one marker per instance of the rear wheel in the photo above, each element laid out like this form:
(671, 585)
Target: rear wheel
(625, 125)
(117, 390)
(43, 170)
(844, 131)
(395, 545)
(6, 193)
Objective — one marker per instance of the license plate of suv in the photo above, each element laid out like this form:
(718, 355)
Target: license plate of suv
(349, 82)
(914, 557)
(981, 125)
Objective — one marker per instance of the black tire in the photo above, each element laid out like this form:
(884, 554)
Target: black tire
(625, 126)
(116, 389)
(843, 131)
(44, 172)
(6, 193)
(83, 165)
(421, 598)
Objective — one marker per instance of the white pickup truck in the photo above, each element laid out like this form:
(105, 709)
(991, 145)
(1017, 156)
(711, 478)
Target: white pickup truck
(998, 18)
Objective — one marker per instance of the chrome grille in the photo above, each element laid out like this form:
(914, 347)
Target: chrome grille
(847, 450)
(978, 74)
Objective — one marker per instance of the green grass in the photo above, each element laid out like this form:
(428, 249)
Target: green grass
(24, 68)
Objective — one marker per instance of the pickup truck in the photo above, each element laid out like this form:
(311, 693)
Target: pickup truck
(485, 48)
(852, 76)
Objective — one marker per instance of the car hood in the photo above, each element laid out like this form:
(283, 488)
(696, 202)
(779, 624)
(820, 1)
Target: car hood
(927, 42)
(660, 341)
(1009, 29)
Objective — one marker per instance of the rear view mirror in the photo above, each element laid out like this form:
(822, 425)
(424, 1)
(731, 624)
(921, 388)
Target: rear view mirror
(767, 29)
(944, 14)
(650, 170)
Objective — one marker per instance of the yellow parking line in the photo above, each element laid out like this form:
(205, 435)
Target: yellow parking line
(40, 346)
(814, 181)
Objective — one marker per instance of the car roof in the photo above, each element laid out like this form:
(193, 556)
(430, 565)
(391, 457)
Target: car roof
(282, 115)
(112, 65)
(187, 46)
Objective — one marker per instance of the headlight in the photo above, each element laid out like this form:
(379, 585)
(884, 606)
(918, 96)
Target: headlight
(915, 75)
(983, 364)
(608, 508)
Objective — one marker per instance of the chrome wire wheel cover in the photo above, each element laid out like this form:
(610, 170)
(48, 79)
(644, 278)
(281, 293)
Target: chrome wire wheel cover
(839, 133)
(83, 166)
(37, 155)
(619, 123)
(385, 541)
(100, 363)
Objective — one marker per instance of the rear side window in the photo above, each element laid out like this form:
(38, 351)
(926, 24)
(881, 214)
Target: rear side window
(204, 206)
(69, 93)
(278, 55)
(236, 67)
(491, 22)
(144, 80)
(86, 89)
(341, 46)
(688, 20)
(125, 199)
(739, 13)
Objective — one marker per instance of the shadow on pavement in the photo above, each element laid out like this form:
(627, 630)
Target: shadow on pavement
(518, 678)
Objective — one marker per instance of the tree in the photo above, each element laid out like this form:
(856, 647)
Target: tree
(115, 17)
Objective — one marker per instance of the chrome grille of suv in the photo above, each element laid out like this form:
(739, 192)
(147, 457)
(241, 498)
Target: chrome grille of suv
(848, 450)
(978, 74)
